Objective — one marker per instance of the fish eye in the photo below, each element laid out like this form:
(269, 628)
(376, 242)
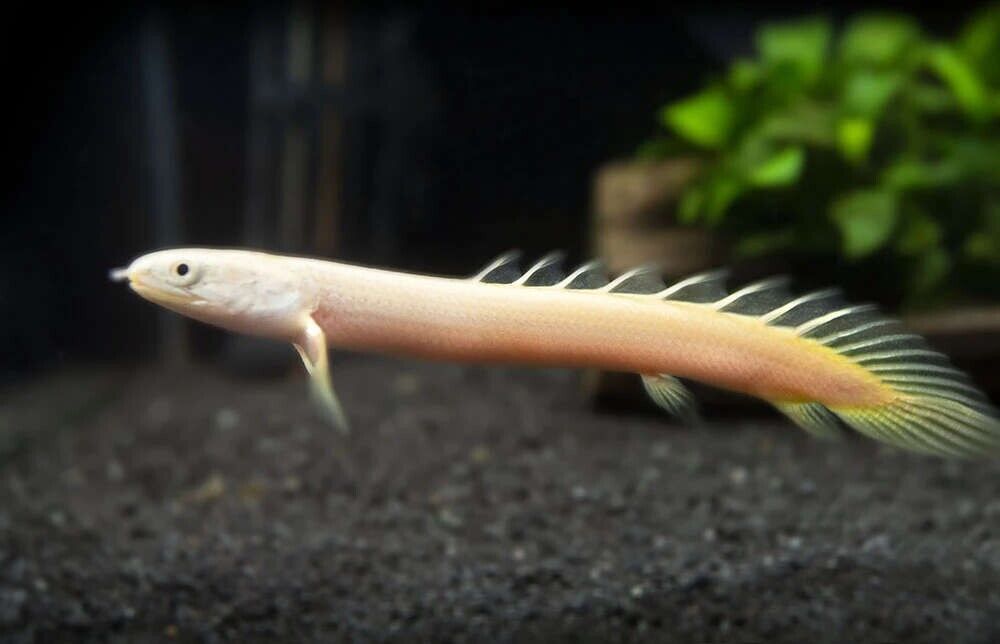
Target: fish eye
(182, 273)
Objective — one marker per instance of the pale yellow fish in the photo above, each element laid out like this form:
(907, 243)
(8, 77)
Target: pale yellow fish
(813, 357)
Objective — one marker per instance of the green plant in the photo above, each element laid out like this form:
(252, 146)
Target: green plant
(877, 143)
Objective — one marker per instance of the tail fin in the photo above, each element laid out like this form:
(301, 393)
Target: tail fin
(933, 408)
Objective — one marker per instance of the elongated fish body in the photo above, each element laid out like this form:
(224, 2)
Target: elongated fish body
(472, 321)
(814, 357)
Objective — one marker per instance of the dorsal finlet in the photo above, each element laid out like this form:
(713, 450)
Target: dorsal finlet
(861, 329)
(548, 260)
(868, 343)
(584, 276)
(794, 304)
(757, 287)
(640, 280)
(504, 264)
(816, 323)
(895, 354)
(718, 275)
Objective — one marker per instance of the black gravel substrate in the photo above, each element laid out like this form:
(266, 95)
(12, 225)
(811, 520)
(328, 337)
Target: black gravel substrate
(469, 505)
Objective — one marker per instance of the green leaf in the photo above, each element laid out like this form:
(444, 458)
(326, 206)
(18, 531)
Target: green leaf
(930, 270)
(762, 243)
(854, 138)
(991, 218)
(930, 98)
(866, 219)
(878, 38)
(709, 200)
(980, 38)
(984, 244)
(704, 119)
(962, 79)
(801, 44)
(911, 174)
(658, 148)
(983, 247)
(744, 74)
(722, 191)
(781, 169)
(919, 234)
(973, 156)
(806, 123)
(867, 92)
(690, 206)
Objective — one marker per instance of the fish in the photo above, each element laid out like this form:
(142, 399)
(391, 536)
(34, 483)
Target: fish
(821, 361)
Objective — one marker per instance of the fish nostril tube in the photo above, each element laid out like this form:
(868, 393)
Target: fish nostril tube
(118, 274)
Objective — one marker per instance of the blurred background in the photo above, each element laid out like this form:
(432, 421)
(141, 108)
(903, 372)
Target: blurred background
(434, 138)
(849, 144)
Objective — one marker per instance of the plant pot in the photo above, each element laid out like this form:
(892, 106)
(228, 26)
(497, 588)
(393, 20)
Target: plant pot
(970, 337)
(634, 206)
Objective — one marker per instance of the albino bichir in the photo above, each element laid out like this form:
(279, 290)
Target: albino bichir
(813, 357)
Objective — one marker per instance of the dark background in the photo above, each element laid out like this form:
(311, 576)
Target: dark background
(144, 503)
(465, 134)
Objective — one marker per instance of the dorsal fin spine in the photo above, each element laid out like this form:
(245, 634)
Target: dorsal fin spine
(503, 261)
(548, 260)
(616, 283)
(895, 354)
(794, 304)
(700, 278)
(756, 287)
(589, 267)
(816, 323)
(874, 342)
(861, 328)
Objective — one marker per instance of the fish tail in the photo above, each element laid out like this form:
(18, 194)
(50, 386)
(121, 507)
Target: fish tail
(928, 405)
(923, 403)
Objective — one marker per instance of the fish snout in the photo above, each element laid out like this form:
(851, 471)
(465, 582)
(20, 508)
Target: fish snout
(119, 274)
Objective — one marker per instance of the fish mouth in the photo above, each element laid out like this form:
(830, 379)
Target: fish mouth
(153, 293)
(118, 274)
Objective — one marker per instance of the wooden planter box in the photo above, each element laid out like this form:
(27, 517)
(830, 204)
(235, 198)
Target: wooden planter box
(633, 218)
(970, 337)
(633, 223)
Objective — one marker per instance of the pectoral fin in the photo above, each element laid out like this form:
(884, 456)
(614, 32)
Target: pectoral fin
(312, 347)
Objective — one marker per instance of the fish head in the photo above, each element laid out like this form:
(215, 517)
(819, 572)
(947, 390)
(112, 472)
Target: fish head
(241, 291)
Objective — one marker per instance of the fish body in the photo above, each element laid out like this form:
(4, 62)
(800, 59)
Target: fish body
(463, 320)
(814, 357)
